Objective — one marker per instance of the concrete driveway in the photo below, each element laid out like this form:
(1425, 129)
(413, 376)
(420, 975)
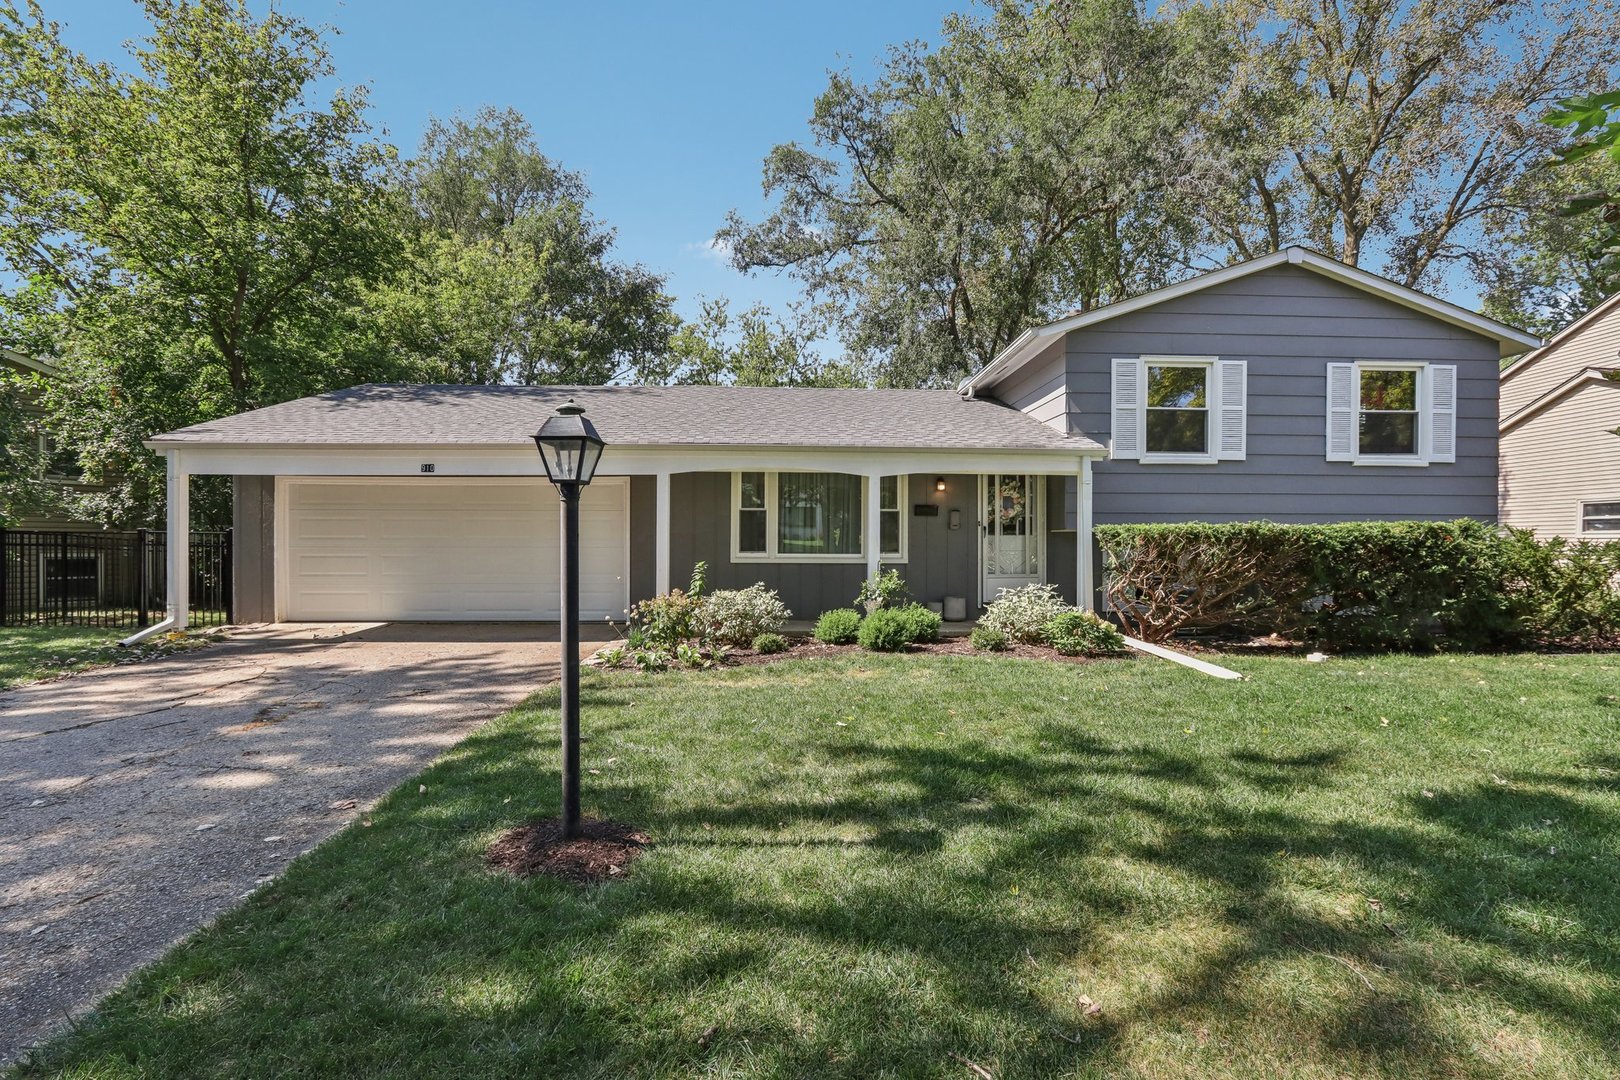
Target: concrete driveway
(139, 802)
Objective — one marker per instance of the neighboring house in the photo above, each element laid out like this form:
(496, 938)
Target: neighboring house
(1292, 388)
(1560, 414)
(61, 469)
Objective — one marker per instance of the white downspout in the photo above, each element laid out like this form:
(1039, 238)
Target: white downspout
(177, 551)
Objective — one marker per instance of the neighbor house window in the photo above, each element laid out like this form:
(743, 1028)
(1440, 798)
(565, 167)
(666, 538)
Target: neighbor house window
(1601, 518)
(1387, 423)
(809, 517)
(1177, 420)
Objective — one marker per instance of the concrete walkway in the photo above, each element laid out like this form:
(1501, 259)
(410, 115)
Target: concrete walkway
(137, 803)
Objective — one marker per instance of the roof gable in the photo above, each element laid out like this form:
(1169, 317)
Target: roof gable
(1567, 334)
(1586, 377)
(1033, 341)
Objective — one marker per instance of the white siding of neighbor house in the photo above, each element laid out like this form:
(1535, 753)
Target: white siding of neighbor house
(1560, 457)
(1597, 344)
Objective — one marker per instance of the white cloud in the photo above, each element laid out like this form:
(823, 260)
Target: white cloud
(714, 249)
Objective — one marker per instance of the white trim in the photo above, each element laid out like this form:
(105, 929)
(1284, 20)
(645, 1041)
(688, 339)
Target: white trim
(1036, 517)
(902, 496)
(1084, 587)
(870, 528)
(520, 460)
(281, 531)
(1030, 343)
(661, 538)
(1581, 516)
(1587, 375)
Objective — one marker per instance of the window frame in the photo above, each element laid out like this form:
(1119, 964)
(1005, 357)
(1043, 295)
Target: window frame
(1581, 517)
(771, 554)
(1422, 418)
(1211, 411)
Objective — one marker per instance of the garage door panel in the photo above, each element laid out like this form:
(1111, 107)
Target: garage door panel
(447, 550)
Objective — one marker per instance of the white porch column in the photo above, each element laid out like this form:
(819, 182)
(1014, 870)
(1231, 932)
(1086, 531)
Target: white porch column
(178, 545)
(874, 525)
(661, 535)
(1084, 584)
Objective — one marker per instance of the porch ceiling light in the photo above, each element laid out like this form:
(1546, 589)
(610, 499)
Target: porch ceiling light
(569, 445)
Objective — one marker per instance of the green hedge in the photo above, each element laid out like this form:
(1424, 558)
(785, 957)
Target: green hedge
(1402, 584)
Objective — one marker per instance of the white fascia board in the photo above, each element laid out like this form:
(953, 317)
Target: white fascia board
(1509, 339)
(1559, 338)
(245, 460)
(40, 366)
(1587, 376)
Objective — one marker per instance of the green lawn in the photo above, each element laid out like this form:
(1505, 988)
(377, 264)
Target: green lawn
(38, 652)
(890, 866)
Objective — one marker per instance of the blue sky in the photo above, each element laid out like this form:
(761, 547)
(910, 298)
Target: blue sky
(668, 109)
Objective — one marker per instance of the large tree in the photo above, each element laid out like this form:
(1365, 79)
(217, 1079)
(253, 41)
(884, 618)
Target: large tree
(190, 229)
(1591, 161)
(1023, 166)
(509, 276)
(755, 348)
(1386, 132)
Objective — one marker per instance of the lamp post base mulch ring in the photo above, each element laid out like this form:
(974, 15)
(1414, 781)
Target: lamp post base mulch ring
(603, 853)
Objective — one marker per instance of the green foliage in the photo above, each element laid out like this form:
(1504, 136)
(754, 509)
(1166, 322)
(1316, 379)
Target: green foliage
(1405, 584)
(1593, 121)
(612, 656)
(768, 644)
(887, 630)
(1018, 169)
(1022, 614)
(23, 489)
(509, 277)
(755, 348)
(923, 624)
(736, 617)
(672, 618)
(988, 639)
(840, 626)
(1083, 633)
(888, 589)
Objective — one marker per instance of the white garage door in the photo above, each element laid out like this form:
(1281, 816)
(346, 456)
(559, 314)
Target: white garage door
(448, 549)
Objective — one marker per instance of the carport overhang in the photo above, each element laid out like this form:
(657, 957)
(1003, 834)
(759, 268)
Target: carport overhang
(184, 459)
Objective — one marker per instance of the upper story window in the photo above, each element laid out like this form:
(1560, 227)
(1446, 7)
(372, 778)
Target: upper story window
(1385, 412)
(813, 517)
(1179, 409)
(1388, 420)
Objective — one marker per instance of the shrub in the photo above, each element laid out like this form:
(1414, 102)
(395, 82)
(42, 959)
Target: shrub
(840, 626)
(737, 616)
(669, 619)
(612, 656)
(922, 624)
(885, 590)
(770, 643)
(1404, 584)
(1022, 614)
(886, 630)
(1076, 633)
(988, 639)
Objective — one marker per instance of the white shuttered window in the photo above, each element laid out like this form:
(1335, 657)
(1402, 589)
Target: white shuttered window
(1179, 409)
(1391, 413)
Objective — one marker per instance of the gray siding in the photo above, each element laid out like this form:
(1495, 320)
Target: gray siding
(253, 517)
(643, 538)
(941, 561)
(1288, 323)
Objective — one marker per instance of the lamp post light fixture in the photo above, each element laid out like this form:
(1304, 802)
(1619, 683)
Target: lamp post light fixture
(570, 449)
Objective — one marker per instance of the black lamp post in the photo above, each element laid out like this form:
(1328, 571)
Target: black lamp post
(569, 448)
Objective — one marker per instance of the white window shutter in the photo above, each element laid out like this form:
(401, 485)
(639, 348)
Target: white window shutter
(1232, 379)
(1127, 412)
(1341, 412)
(1442, 412)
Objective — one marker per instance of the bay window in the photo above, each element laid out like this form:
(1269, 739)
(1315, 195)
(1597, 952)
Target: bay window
(812, 517)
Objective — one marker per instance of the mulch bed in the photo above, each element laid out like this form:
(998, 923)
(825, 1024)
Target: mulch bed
(604, 853)
(810, 648)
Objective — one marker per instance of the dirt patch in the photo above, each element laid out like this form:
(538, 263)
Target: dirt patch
(604, 853)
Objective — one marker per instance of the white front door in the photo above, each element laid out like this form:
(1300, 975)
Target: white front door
(1012, 524)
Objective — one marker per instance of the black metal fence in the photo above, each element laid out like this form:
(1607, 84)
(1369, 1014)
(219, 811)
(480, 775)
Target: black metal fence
(113, 579)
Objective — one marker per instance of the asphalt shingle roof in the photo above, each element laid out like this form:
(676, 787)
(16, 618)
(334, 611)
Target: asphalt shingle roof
(377, 415)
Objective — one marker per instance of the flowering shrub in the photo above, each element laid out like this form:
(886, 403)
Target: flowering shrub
(1022, 614)
(737, 616)
(885, 590)
(669, 619)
